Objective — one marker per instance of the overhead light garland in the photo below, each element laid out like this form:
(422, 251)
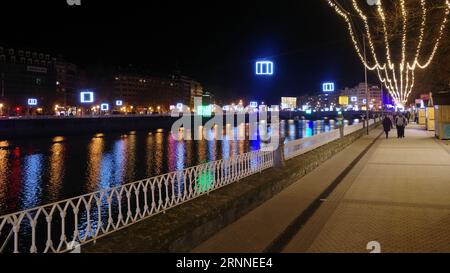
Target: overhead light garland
(398, 78)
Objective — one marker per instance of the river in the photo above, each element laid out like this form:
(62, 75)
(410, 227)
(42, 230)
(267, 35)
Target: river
(39, 171)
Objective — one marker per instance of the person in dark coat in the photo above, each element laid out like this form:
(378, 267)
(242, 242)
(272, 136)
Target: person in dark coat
(387, 126)
(408, 116)
(400, 123)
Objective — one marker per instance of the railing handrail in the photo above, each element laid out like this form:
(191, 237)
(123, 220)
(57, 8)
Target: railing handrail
(294, 148)
(313, 137)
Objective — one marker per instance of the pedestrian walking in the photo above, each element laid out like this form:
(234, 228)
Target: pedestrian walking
(400, 123)
(408, 116)
(387, 125)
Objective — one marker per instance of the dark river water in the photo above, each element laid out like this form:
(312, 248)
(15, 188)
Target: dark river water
(39, 171)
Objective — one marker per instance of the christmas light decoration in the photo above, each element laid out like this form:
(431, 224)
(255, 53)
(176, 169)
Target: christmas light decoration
(264, 68)
(328, 87)
(32, 102)
(104, 107)
(87, 97)
(398, 78)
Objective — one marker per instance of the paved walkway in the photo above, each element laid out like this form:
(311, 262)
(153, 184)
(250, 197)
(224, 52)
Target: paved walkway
(398, 194)
(257, 230)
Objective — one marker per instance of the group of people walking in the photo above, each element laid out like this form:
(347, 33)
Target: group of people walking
(399, 120)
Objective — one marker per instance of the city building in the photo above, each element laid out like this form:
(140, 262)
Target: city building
(32, 81)
(357, 96)
(288, 103)
(156, 92)
(68, 82)
(197, 91)
(320, 102)
(28, 81)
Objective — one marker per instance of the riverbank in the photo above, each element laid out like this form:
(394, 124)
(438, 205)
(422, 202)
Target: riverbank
(24, 127)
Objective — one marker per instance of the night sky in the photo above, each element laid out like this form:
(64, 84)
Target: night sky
(215, 42)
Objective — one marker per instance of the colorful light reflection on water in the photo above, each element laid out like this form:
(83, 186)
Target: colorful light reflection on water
(35, 172)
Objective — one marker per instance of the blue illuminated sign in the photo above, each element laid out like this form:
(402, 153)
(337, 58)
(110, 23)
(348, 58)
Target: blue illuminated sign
(104, 107)
(264, 68)
(180, 106)
(354, 99)
(87, 97)
(32, 102)
(254, 104)
(328, 87)
(119, 103)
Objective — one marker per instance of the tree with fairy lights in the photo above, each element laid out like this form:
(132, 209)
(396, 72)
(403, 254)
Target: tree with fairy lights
(402, 37)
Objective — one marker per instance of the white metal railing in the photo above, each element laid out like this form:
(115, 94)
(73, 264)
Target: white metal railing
(352, 128)
(300, 146)
(51, 228)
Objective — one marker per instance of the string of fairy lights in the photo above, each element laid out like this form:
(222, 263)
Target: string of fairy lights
(398, 78)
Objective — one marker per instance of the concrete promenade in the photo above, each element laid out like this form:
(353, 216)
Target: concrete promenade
(395, 192)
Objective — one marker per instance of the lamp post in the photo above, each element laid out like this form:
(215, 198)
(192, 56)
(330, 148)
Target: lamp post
(367, 87)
